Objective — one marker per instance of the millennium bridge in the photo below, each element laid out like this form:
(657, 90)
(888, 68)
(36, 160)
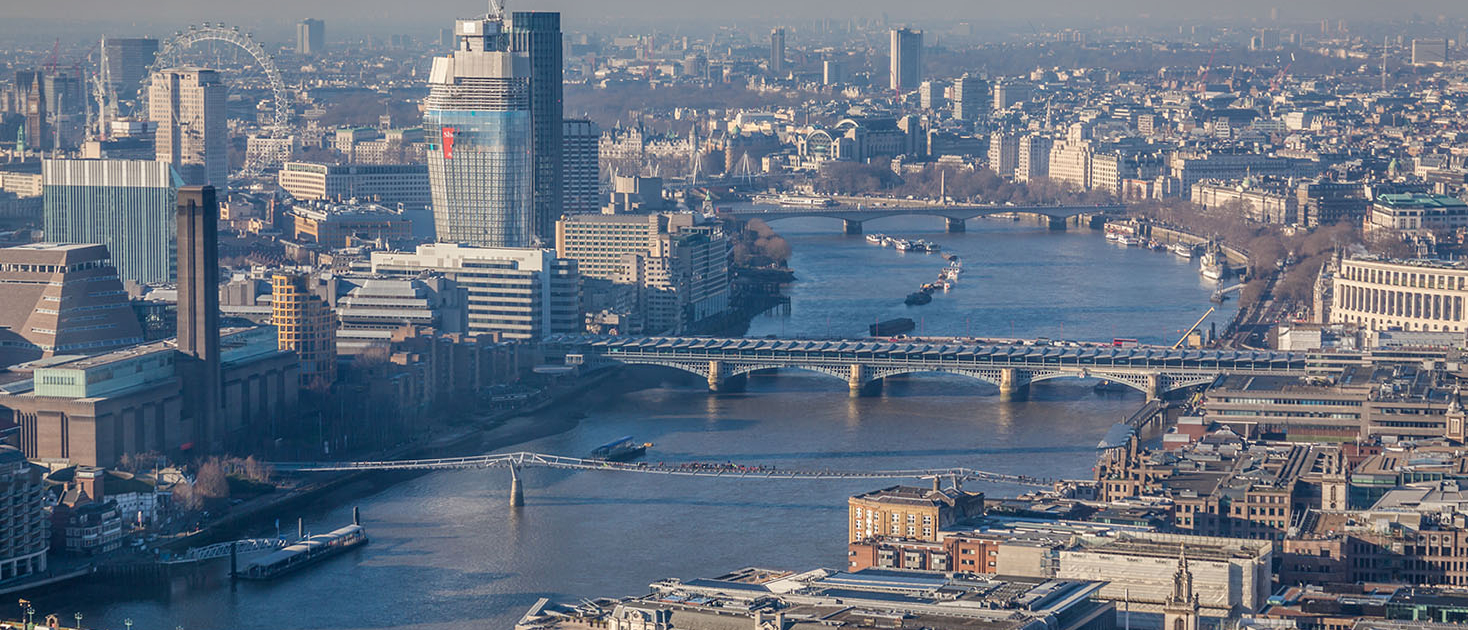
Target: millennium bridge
(727, 470)
(1152, 370)
(852, 216)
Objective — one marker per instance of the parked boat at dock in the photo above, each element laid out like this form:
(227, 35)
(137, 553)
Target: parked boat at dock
(306, 552)
(1213, 267)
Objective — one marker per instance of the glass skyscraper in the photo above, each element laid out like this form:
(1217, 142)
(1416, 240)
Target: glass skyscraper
(127, 205)
(480, 156)
(537, 35)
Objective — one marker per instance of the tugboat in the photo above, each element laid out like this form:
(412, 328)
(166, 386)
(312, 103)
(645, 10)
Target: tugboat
(622, 449)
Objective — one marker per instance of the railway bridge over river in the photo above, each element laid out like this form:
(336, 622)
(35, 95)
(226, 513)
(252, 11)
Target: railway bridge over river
(1011, 367)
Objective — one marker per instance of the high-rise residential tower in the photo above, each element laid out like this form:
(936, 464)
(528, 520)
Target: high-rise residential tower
(187, 106)
(481, 158)
(581, 176)
(66, 109)
(831, 73)
(777, 52)
(970, 98)
(537, 36)
(907, 59)
(127, 205)
(310, 36)
(128, 59)
(306, 325)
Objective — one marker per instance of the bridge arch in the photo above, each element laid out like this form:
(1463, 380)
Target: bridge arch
(840, 372)
(1176, 383)
(1137, 382)
(991, 377)
(696, 368)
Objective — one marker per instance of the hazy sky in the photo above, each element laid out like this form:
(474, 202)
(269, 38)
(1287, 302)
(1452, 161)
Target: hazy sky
(273, 20)
(420, 10)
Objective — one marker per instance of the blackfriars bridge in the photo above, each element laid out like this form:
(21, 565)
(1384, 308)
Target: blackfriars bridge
(1154, 371)
(852, 216)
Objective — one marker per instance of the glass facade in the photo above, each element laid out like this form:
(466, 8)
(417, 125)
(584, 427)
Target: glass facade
(126, 205)
(480, 174)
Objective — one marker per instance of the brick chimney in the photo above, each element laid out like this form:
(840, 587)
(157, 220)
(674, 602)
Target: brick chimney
(89, 480)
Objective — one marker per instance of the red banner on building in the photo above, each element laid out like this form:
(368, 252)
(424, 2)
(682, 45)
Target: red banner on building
(448, 143)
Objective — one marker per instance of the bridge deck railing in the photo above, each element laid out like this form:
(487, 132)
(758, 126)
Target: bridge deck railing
(688, 469)
(1291, 365)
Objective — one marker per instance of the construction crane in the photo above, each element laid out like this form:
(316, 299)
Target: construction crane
(1203, 76)
(1279, 78)
(51, 59)
(1195, 327)
(105, 95)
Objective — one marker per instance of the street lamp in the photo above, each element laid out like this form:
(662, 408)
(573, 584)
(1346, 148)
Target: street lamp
(78, 621)
(30, 616)
(128, 622)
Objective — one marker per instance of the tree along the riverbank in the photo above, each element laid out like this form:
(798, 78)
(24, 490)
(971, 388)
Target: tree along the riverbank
(1296, 254)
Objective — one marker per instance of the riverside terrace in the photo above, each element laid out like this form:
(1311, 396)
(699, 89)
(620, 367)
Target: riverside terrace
(862, 364)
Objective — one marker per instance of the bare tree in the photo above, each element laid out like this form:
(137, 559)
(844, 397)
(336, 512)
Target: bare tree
(211, 482)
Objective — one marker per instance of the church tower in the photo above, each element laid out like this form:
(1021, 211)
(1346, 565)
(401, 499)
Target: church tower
(1456, 418)
(1180, 611)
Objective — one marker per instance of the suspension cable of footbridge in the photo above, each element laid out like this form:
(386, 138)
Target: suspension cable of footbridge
(683, 469)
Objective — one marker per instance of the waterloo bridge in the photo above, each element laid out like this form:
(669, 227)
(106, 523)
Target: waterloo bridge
(853, 212)
(1011, 367)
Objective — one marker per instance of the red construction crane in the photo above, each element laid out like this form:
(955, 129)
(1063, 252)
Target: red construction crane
(1274, 85)
(51, 60)
(1203, 76)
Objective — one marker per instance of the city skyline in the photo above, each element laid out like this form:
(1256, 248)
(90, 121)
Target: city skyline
(561, 316)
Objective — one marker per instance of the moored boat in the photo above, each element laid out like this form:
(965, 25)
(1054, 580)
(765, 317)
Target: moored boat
(890, 327)
(306, 552)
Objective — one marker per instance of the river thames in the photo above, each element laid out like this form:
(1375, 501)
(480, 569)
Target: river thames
(447, 551)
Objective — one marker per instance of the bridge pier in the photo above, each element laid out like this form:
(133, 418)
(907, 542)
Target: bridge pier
(1154, 387)
(956, 226)
(859, 385)
(850, 227)
(716, 375)
(1057, 223)
(1010, 387)
(517, 493)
